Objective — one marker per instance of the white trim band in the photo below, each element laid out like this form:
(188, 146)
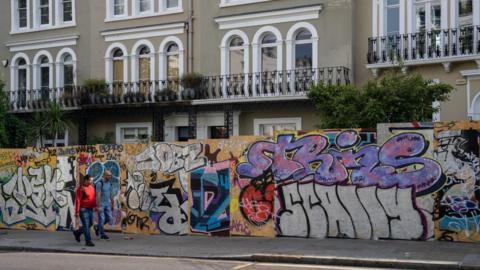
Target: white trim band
(43, 43)
(269, 17)
(144, 32)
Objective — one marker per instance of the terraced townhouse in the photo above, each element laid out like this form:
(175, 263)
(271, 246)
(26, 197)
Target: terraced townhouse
(257, 59)
(439, 39)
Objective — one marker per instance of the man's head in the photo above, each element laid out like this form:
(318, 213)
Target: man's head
(107, 175)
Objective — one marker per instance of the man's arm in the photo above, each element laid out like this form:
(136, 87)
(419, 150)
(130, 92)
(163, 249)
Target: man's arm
(111, 197)
(98, 193)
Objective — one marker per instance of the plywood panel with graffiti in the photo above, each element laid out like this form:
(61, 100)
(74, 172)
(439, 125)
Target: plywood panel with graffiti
(419, 183)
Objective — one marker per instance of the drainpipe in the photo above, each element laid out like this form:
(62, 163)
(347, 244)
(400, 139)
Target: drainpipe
(190, 37)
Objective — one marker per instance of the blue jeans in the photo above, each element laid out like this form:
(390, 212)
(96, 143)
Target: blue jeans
(104, 217)
(86, 216)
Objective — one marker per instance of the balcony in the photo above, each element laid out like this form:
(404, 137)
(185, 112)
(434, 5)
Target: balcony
(422, 48)
(252, 87)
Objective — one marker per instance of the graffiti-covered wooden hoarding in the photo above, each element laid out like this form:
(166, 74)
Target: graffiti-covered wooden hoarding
(416, 184)
(458, 201)
(347, 188)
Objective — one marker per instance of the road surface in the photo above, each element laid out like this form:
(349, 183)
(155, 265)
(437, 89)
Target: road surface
(61, 261)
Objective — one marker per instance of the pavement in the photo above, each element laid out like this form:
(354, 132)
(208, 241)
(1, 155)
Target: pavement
(342, 252)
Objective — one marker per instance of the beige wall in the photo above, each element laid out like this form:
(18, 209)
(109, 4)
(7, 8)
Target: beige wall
(101, 124)
(305, 111)
(334, 28)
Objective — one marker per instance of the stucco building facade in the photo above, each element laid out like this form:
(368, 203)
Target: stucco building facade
(257, 59)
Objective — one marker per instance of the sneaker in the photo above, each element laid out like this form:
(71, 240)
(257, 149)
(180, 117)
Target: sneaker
(77, 234)
(89, 244)
(104, 237)
(95, 228)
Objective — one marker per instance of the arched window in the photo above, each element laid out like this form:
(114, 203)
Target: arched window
(44, 77)
(303, 50)
(173, 70)
(269, 53)
(68, 72)
(302, 46)
(21, 75)
(66, 77)
(171, 62)
(144, 64)
(236, 56)
(22, 82)
(118, 67)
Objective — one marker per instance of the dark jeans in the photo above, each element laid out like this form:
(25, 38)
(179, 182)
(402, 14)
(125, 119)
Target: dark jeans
(104, 217)
(86, 216)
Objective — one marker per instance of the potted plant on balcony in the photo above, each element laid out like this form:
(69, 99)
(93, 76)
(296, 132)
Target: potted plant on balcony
(96, 90)
(192, 84)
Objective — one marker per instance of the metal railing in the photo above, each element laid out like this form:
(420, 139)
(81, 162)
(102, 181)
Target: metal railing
(289, 83)
(424, 45)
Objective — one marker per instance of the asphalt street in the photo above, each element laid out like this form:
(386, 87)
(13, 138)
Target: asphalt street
(56, 261)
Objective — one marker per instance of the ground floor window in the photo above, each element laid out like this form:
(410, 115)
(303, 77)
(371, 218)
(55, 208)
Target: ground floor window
(218, 132)
(60, 140)
(183, 134)
(268, 126)
(133, 133)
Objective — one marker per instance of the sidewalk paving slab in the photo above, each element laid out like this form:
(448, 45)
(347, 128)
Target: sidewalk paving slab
(345, 252)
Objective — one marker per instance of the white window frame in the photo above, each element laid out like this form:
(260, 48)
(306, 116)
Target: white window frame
(37, 69)
(291, 42)
(138, 13)
(60, 64)
(401, 16)
(135, 60)
(37, 18)
(257, 47)
(204, 121)
(225, 57)
(274, 121)
(225, 51)
(14, 72)
(109, 62)
(163, 57)
(454, 23)
(427, 5)
(120, 126)
(411, 16)
(111, 10)
(229, 3)
(15, 18)
(58, 141)
(59, 13)
(164, 9)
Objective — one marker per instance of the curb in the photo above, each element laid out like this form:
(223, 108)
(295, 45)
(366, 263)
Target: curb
(359, 262)
(288, 259)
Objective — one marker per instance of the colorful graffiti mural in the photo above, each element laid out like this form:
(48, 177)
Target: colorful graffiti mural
(418, 183)
(458, 202)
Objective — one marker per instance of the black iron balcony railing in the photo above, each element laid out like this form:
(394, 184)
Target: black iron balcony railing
(288, 84)
(426, 45)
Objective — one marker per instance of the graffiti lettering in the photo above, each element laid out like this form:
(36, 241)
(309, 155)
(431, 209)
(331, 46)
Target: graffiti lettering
(210, 198)
(398, 162)
(314, 210)
(168, 208)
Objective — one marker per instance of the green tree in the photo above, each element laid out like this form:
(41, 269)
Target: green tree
(37, 128)
(13, 130)
(396, 97)
(55, 121)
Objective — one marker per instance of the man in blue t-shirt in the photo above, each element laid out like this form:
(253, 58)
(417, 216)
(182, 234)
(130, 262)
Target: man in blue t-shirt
(103, 188)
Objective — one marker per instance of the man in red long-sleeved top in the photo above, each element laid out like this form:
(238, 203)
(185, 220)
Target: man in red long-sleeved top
(85, 204)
